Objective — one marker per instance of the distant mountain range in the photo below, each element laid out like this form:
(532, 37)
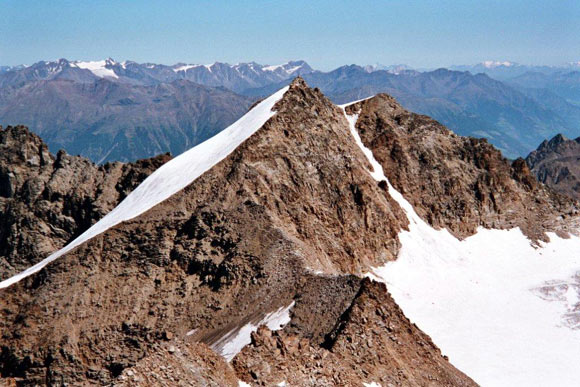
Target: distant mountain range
(108, 110)
(236, 77)
(472, 105)
(504, 70)
(107, 121)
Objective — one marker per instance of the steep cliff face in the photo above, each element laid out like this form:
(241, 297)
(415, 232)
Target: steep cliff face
(286, 224)
(556, 163)
(47, 200)
(455, 182)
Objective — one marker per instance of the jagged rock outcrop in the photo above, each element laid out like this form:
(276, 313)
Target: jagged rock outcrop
(290, 217)
(46, 200)
(556, 163)
(455, 182)
(371, 342)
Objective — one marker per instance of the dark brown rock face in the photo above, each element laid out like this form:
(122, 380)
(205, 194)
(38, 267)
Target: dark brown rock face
(455, 182)
(46, 200)
(372, 342)
(556, 163)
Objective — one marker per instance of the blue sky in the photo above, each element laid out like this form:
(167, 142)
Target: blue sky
(325, 33)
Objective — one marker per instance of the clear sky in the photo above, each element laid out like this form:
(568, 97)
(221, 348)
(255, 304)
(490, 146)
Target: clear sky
(427, 33)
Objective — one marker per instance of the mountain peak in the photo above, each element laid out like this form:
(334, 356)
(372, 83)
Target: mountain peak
(555, 164)
(552, 144)
(558, 139)
(298, 83)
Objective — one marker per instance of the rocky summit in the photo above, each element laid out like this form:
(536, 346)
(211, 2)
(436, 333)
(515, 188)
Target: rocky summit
(262, 259)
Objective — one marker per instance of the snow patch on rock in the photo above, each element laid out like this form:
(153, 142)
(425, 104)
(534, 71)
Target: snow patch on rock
(234, 341)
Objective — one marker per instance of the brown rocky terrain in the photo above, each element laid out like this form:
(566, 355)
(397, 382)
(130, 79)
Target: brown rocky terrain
(456, 182)
(46, 200)
(371, 342)
(292, 215)
(556, 163)
(183, 364)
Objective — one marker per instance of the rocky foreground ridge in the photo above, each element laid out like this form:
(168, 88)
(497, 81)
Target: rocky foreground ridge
(291, 217)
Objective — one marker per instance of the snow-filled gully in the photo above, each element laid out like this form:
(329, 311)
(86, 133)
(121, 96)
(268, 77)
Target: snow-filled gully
(506, 313)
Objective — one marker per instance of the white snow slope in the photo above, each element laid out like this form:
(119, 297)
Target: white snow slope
(170, 178)
(504, 312)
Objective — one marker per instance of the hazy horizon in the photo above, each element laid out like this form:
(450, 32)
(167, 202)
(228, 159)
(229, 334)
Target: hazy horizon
(325, 34)
(419, 68)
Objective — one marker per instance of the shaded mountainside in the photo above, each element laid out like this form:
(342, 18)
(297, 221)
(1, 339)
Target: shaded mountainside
(107, 120)
(556, 163)
(46, 200)
(565, 84)
(111, 111)
(290, 220)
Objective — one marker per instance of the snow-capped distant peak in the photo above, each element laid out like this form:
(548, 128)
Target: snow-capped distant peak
(393, 69)
(490, 64)
(289, 67)
(100, 68)
(191, 66)
(283, 66)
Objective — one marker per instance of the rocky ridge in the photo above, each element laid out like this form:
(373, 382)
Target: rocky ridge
(47, 200)
(239, 242)
(556, 163)
(460, 183)
(371, 342)
(183, 364)
(290, 216)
